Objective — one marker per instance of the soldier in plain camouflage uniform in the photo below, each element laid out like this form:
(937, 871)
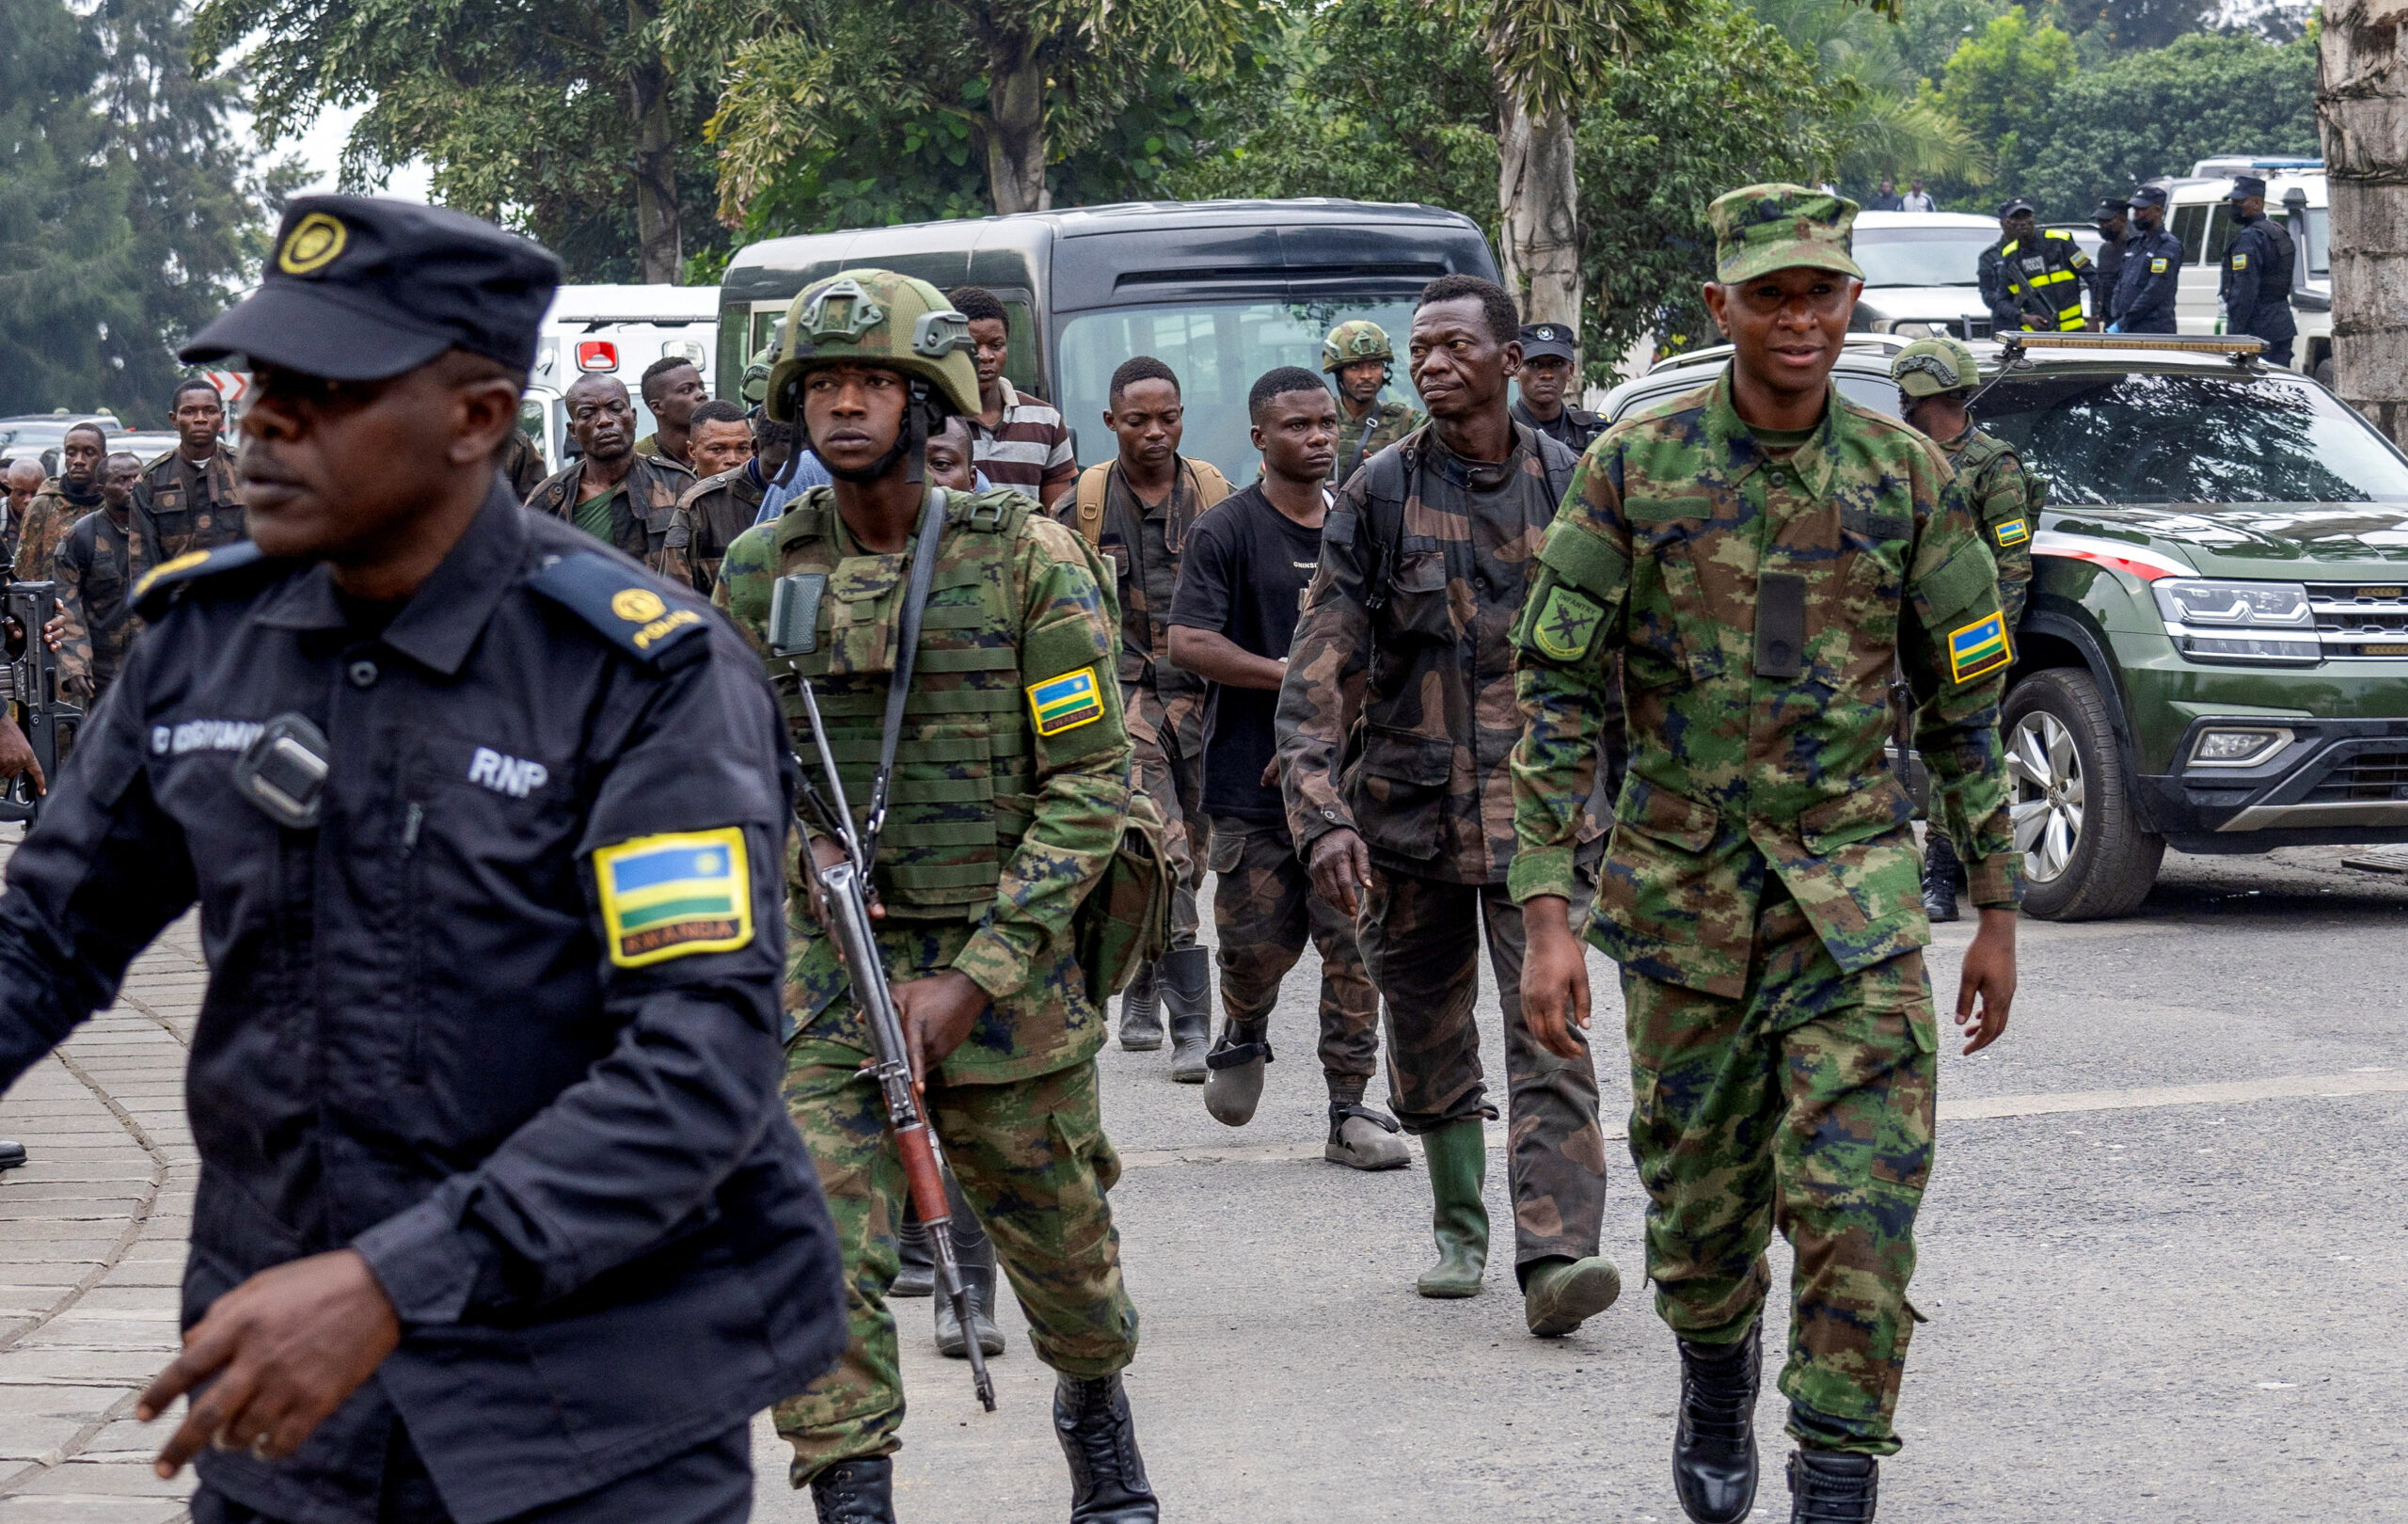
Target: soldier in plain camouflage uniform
(96, 569)
(1366, 423)
(1001, 820)
(631, 510)
(1395, 721)
(186, 499)
(64, 498)
(1937, 379)
(1762, 552)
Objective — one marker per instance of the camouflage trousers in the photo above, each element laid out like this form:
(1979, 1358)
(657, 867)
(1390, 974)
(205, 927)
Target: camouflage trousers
(1807, 1103)
(1033, 1163)
(1263, 908)
(1421, 941)
(1167, 757)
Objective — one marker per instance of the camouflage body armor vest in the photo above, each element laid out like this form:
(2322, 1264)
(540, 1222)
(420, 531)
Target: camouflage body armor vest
(962, 791)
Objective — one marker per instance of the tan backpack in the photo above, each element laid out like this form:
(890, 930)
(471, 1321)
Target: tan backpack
(1210, 486)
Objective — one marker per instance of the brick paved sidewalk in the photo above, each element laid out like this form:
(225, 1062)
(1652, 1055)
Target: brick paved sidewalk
(92, 1237)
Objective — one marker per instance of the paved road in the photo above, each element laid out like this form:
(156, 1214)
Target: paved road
(2160, 1258)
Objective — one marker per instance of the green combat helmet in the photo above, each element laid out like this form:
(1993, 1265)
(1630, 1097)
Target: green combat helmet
(1355, 341)
(1929, 367)
(874, 317)
(756, 389)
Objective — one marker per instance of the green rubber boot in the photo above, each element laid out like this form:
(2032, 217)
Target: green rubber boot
(1458, 1156)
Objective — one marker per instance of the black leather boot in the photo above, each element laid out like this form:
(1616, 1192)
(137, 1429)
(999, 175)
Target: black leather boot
(1939, 874)
(1099, 1440)
(1714, 1448)
(918, 1274)
(855, 1492)
(1141, 1011)
(976, 1253)
(1828, 1488)
(1186, 978)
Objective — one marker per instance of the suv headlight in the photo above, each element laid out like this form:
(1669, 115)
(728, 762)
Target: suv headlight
(2252, 624)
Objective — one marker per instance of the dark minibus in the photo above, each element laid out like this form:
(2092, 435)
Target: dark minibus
(1220, 290)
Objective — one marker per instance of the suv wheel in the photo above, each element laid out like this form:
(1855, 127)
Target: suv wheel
(2085, 856)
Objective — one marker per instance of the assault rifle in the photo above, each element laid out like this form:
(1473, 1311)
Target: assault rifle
(844, 892)
(29, 679)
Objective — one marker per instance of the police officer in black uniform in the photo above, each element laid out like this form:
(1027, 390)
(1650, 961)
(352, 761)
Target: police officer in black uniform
(1549, 370)
(2114, 219)
(499, 1216)
(2257, 282)
(2152, 277)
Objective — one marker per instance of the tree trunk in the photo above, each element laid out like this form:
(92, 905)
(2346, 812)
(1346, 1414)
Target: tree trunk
(2362, 113)
(657, 225)
(1016, 128)
(1538, 202)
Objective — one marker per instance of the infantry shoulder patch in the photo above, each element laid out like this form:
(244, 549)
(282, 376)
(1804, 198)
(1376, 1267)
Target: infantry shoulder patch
(1064, 702)
(1566, 625)
(1977, 648)
(2014, 531)
(668, 896)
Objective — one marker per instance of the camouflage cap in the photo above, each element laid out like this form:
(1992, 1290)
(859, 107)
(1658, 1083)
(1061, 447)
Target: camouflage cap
(1358, 338)
(1760, 228)
(874, 317)
(1929, 367)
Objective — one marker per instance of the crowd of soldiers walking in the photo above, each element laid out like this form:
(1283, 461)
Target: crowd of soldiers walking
(1484, 678)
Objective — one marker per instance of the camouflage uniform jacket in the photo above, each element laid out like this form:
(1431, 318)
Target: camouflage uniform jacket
(48, 519)
(639, 520)
(709, 517)
(521, 465)
(96, 568)
(1360, 438)
(178, 509)
(1397, 713)
(1011, 780)
(2005, 499)
(1759, 605)
(1158, 696)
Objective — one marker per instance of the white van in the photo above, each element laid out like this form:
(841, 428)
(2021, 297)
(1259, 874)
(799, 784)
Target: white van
(2198, 214)
(614, 330)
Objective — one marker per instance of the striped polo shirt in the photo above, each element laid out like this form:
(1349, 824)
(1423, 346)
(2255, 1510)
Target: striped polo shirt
(1029, 450)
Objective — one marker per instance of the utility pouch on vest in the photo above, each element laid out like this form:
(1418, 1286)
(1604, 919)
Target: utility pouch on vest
(794, 613)
(1125, 919)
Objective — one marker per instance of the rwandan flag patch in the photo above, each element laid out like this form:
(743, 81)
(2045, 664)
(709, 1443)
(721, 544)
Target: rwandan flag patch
(2014, 531)
(1977, 648)
(1064, 702)
(665, 897)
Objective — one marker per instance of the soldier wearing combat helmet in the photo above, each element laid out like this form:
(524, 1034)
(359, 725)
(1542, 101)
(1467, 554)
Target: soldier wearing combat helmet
(1936, 384)
(1011, 783)
(1359, 356)
(1763, 552)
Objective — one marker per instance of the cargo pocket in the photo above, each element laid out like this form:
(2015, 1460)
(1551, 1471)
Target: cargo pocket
(1418, 593)
(1664, 599)
(1861, 816)
(1400, 791)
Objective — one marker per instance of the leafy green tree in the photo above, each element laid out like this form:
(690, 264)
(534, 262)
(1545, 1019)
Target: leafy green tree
(2003, 86)
(564, 119)
(2115, 27)
(1883, 124)
(1027, 83)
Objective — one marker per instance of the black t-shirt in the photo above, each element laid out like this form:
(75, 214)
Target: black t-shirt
(1245, 576)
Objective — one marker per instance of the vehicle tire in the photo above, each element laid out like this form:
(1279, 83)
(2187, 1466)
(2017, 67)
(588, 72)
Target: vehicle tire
(2322, 375)
(2085, 856)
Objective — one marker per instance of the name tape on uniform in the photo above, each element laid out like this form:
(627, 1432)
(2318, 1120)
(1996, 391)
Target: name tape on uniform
(668, 896)
(1064, 702)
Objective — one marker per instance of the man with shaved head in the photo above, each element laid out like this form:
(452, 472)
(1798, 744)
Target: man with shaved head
(614, 493)
(187, 500)
(74, 492)
(96, 568)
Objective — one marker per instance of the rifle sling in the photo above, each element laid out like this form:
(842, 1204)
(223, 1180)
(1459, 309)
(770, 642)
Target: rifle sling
(915, 603)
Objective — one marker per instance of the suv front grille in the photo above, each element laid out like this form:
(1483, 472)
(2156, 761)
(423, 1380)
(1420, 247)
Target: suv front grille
(2370, 621)
(2367, 775)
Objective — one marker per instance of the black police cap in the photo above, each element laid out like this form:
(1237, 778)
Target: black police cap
(361, 287)
(2245, 186)
(2149, 195)
(2014, 205)
(1541, 339)
(2110, 208)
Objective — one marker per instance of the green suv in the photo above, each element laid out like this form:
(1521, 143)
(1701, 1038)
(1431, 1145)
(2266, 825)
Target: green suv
(2215, 653)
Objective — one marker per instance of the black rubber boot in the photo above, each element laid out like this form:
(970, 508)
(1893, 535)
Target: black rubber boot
(918, 1274)
(1828, 1488)
(1185, 977)
(11, 1156)
(976, 1253)
(1141, 1011)
(855, 1492)
(1714, 1447)
(1099, 1440)
(1940, 876)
